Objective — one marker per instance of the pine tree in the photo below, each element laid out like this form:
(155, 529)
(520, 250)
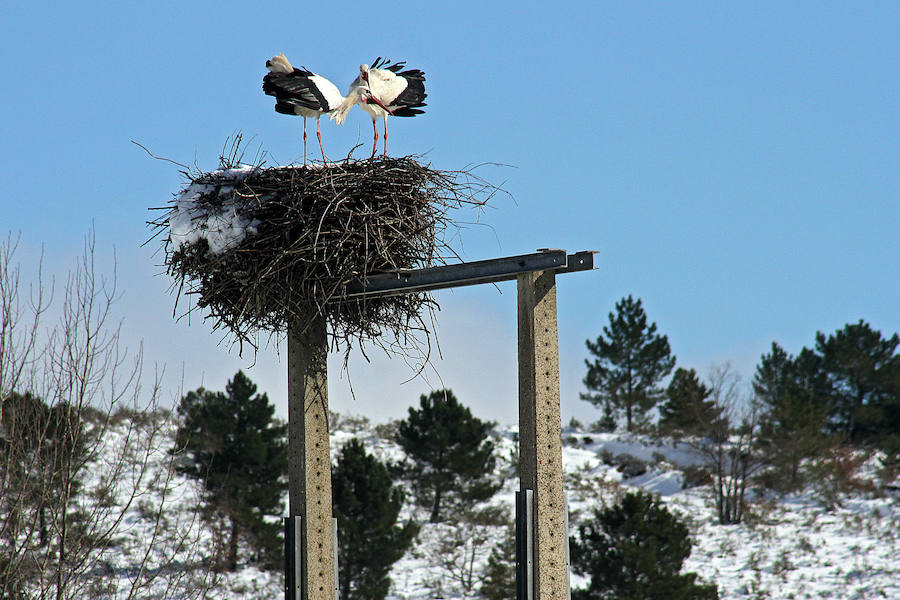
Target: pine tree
(238, 451)
(636, 550)
(24, 461)
(791, 393)
(863, 369)
(451, 457)
(631, 361)
(688, 409)
(366, 505)
(43, 453)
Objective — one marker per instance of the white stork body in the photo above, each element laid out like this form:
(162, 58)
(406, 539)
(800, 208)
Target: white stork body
(302, 93)
(388, 91)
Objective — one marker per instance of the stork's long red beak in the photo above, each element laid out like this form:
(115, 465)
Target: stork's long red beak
(373, 98)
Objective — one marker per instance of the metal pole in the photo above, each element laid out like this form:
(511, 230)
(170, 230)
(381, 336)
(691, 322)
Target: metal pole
(309, 461)
(525, 545)
(540, 436)
(568, 556)
(292, 563)
(291, 590)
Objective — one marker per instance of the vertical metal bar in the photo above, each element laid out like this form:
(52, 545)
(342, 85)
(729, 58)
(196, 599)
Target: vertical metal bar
(292, 562)
(300, 557)
(521, 546)
(337, 548)
(288, 558)
(568, 560)
(525, 545)
(529, 541)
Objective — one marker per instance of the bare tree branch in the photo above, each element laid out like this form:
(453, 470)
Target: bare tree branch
(72, 469)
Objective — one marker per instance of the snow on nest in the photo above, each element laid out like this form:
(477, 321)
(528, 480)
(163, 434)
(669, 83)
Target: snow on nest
(221, 226)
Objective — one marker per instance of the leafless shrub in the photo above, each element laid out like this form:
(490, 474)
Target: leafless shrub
(386, 431)
(355, 424)
(729, 449)
(607, 457)
(695, 476)
(630, 466)
(836, 474)
(67, 477)
(460, 556)
(583, 484)
(20, 318)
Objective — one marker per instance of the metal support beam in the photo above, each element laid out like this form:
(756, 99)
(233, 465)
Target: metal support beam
(309, 461)
(470, 273)
(540, 443)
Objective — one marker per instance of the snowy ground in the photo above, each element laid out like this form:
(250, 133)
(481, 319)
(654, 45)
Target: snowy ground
(792, 547)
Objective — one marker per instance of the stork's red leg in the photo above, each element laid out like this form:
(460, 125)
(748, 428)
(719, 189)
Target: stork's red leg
(375, 143)
(319, 135)
(385, 135)
(304, 140)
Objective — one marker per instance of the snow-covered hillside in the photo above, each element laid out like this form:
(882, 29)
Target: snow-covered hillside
(793, 547)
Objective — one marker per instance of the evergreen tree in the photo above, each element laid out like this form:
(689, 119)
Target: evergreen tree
(864, 372)
(23, 464)
(635, 550)
(366, 505)
(43, 455)
(238, 451)
(452, 458)
(43, 452)
(688, 409)
(791, 393)
(630, 362)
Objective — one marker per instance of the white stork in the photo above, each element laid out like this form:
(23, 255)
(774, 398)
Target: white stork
(386, 91)
(301, 92)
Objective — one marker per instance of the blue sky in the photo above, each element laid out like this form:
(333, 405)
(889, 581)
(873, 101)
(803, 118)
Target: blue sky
(736, 166)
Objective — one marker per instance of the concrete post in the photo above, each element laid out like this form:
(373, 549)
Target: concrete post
(540, 444)
(309, 460)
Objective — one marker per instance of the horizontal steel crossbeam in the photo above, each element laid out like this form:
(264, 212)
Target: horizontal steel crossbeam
(471, 273)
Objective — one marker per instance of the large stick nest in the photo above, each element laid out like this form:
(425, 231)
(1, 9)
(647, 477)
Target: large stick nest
(262, 249)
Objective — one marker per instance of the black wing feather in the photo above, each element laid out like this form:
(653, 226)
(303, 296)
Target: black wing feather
(413, 96)
(385, 63)
(294, 88)
(406, 111)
